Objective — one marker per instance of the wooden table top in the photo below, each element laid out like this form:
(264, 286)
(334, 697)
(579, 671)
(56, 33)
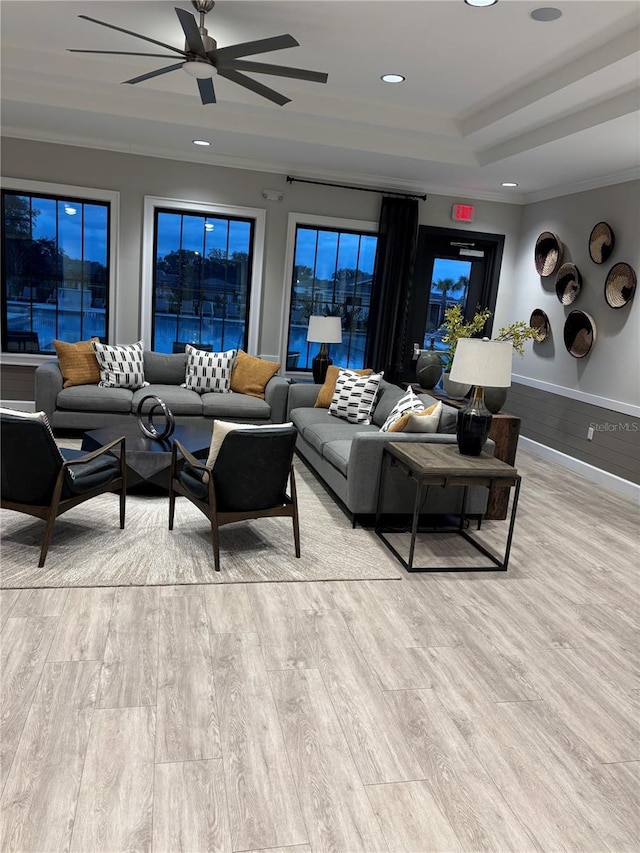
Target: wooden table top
(445, 460)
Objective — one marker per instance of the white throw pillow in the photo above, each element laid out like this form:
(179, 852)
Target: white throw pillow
(424, 423)
(120, 366)
(209, 371)
(354, 397)
(220, 431)
(407, 403)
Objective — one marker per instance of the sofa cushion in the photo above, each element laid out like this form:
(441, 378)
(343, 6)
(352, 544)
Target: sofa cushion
(209, 371)
(181, 401)
(333, 429)
(93, 398)
(161, 368)
(325, 394)
(121, 366)
(354, 396)
(235, 406)
(78, 363)
(448, 419)
(306, 417)
(388, 396)
(337, 452)
(250, 374)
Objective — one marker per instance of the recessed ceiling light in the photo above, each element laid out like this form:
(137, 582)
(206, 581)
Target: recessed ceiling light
(480, 2)
(509, 184)
(393, 78)
(201, 142)
(546, 13)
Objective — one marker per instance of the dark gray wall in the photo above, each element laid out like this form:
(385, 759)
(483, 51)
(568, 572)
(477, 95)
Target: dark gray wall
(562, 424)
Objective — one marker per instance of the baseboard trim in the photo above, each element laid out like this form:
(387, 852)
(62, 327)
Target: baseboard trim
(20, 405)
(597, 475)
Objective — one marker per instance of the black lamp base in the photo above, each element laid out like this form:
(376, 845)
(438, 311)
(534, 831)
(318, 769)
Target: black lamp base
(474, 423)
(320, 364)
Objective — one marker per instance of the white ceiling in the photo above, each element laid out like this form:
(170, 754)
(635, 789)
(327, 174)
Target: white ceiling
(490, 94)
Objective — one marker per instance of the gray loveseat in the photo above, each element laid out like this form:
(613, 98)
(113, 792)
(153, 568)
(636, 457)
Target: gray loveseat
(348, 457)
(87, 407)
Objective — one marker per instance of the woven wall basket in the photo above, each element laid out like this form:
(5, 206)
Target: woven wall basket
(579, 333)
(540, 322)
(568, 283)
(601, 242)
(548, 253)
(620, 285)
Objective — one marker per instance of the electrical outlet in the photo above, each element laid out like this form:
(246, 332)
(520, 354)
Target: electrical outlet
(589, 433)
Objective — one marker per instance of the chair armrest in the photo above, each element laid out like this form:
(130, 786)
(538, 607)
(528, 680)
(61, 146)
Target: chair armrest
(48, 384)
(191, 459)
(95, 453)
(276, 394)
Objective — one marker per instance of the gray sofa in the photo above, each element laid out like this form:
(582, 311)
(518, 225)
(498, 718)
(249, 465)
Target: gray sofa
(84, 407)
(348, 457)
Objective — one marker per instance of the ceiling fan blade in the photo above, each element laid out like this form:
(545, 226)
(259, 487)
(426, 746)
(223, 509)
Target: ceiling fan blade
(279, 70)
(157, 73)
(135, 35)
(248, 48)
(207, 92)
(122, 53)
(191, 32)
(258, 88)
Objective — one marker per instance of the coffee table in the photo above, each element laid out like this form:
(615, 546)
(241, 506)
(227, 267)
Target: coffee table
(443, 465)
(149, 460)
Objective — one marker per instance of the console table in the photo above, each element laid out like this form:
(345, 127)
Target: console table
(443, 465)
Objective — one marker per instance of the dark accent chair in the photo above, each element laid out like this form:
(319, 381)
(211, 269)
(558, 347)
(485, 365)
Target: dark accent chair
(41, 480)
(248, 480)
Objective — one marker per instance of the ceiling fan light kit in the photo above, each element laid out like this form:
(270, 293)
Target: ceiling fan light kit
(202, 59)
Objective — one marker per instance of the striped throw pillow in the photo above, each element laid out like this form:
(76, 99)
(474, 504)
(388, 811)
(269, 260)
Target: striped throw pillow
(209, 371)
(120, 366)
(354, 397)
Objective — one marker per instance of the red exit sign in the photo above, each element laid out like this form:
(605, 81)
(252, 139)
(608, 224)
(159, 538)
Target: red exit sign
(462, 212)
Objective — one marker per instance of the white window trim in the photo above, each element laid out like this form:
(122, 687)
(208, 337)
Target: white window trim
(111, 196)
(295, 219)
(255, 299)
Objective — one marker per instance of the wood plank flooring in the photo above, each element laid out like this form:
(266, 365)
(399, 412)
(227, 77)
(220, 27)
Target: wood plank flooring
(486, 712)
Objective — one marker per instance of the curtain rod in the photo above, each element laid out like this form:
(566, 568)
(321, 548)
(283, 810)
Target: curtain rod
(290, 180)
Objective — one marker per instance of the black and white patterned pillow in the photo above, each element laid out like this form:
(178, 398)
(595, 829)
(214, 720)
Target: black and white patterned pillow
(120, 366)
(209, 371)
(354, 397)
(407, 403)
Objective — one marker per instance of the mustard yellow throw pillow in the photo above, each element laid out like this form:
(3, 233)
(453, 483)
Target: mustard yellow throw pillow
(426, 421)
(251, 374)
(78, 363)
(325, 394)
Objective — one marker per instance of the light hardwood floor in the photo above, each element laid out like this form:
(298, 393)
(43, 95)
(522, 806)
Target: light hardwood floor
(486, 712)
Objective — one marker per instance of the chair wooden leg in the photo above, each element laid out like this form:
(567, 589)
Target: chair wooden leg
(123, 503)
(296, 525)
(172, 505)
(216, 544)
(48, 533)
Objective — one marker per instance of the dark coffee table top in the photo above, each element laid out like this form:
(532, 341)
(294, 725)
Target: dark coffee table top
(147, 458)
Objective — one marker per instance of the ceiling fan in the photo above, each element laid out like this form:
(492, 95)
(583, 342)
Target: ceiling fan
(202, 59)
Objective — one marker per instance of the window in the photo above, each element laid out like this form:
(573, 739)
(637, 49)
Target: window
(56, 270)
(332, 275)
(200, 287)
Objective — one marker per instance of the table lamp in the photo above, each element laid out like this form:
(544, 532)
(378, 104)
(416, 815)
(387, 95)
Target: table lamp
(323, 331)
(481, 363)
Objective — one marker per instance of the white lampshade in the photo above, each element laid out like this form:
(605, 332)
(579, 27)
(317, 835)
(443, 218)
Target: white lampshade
(324, 330)
(482, 362)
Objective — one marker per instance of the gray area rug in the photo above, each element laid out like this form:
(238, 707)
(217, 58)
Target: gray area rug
(89, 549)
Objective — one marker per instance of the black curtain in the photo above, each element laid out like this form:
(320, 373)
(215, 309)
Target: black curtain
(392, 278)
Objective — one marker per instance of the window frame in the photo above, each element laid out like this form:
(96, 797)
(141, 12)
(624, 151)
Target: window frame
(331, 223)
(258, 215)
(66, 191)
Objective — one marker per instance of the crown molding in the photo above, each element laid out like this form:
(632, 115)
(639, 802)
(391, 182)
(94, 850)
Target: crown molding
(610, 180)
